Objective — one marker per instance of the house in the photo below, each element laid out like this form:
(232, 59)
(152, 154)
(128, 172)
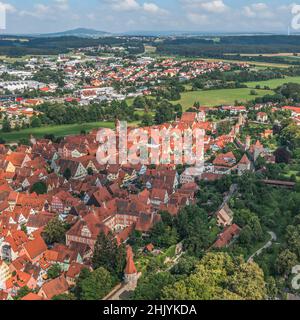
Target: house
(32, 297)
(86, 230)
(224, 162)
(4, 274)
(34, 249)
(224, 216)
(54, 288)
(158, 197)
(99, 197)
(19, 280)
(77, 170)
(74, 272)
(262, 117)
(227, 236)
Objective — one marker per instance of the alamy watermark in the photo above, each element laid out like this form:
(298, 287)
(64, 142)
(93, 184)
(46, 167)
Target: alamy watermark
(296, 17)
(153, 146)
(296, 277)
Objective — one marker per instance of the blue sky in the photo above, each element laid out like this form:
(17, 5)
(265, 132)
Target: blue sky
(39, 16)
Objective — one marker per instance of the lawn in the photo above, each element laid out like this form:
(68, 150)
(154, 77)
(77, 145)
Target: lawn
(218, 97)
(59, 131)
(274, 83)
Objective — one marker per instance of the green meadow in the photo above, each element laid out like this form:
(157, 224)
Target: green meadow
(58, 131)
(212, 98)
(274, 83)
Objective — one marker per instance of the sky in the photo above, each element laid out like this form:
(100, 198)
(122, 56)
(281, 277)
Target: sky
(45, 16)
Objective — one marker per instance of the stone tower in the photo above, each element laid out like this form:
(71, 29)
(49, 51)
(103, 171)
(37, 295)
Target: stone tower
(130, 272)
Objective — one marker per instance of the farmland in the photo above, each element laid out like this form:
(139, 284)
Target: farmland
(218, 97)
(274, 83)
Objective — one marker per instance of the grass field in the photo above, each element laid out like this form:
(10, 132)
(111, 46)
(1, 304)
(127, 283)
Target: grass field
(254, 63)
(274, 83)
(58, 131)
(212, 98)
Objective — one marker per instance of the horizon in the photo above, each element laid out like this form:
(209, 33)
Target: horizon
(123, 16)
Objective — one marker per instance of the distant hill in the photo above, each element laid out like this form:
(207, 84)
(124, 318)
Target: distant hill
(79, 32)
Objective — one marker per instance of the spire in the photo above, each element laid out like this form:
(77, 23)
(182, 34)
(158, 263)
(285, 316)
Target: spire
(130, 266)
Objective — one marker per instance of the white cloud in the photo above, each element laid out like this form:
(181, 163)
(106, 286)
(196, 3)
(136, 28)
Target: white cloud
(125, 5)
(213, 6)
(153, 8)
(62, 4)
(8, 7)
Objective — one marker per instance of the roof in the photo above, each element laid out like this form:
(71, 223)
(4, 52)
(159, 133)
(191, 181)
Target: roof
(227, 235)
(35, 247)
(130, 266)
(55, 287)
(75, 269)
(32, 297)
(245, 160)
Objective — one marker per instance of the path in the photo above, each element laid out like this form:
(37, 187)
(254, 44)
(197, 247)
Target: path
(266, 246)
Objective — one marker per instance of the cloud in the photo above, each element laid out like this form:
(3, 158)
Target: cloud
(62, 4)
(125, 5)
(40, 10)
(258, 10)
(153, 8)
(133, 5)
(8, 7)
(212, 6)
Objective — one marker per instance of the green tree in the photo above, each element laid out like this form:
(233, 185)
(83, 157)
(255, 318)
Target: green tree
(97, 285)
(6, 127)
(36, 122)
(67, 173)
(39, 188)
(54, 231)
(150, 286)
(219, 277)
(65, 296)
(54, 271)
(285, 262)
(109, 255)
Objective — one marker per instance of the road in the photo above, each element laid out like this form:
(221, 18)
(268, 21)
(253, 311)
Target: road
(266, 246)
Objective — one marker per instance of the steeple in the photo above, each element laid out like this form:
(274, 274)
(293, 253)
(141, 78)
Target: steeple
(130, 272)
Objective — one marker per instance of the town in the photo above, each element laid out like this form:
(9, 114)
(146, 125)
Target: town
(76, 227)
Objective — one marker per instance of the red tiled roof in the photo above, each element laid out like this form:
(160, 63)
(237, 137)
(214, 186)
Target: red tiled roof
(35, 247)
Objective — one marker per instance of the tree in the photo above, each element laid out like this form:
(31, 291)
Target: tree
(163, 235)
(109, 255)
(282, 155)
(65, 296)
(39, 188)
(219, 276)
(97, 285)
(285, 262)
(54, 231)
(6, 127)
(54, 271)
(150, 286)
(22, 293)
(85, 273)
(67, 173)
(147, 120)
(36, 122)
(90, 171)
(193, 227)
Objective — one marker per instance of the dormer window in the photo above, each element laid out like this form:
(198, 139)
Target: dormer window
(85, 232)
